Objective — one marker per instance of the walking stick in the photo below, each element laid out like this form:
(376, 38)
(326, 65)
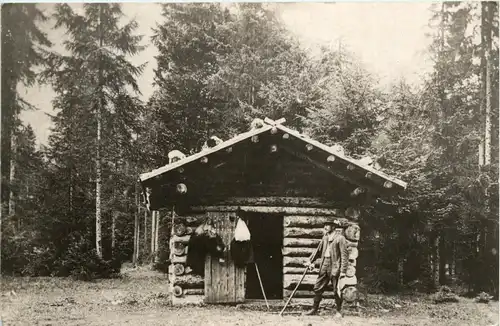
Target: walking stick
(295, 290)
(298, 284)
(261, 286)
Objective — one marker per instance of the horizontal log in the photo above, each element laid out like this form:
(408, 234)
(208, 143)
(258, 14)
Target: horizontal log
(352, 213)
(280, 201)
(306, 294)
(190, 220)
(182, 230)
(194, 291)
(189, 281)
(352, 244)
(351, 271)
(350, 281)
(297, 251)
(304, 232)
(268, 209)
(306, 302)
(301, 242)
(298, 303)
(183, 239)
(178, 259)
(353, 253)
(311, 221)
(188, 300)
(295, 261)
(352, 232)
(298, 270)
(290, 281)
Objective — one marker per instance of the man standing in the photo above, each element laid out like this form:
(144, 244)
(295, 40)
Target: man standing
(334, 256)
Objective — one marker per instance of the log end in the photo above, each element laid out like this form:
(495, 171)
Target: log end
(179, 269)
(177, 291)
(350, 294)
(180, 229)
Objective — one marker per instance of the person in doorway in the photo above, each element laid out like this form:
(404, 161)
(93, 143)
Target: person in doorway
(334, 258)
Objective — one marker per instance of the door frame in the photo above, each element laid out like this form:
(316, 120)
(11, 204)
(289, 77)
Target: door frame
(207, 210)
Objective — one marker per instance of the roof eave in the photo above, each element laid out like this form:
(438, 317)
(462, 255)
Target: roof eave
(169, 167)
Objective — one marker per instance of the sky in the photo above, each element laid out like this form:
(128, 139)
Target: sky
(388, 37)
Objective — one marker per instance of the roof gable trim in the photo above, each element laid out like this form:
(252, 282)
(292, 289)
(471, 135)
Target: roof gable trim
(199, 155)
(273, 125)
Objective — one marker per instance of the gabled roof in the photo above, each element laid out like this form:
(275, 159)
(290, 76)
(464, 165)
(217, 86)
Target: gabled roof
(321, 155)
(224, 145)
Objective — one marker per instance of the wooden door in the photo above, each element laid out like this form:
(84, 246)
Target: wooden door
(224, 282)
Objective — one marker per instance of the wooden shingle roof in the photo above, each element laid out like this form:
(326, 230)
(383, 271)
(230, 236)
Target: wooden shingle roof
(162, 184)
(331, 156)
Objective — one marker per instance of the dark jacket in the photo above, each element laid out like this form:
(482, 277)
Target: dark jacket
(338, 252)
(199, 246)
(241, 252)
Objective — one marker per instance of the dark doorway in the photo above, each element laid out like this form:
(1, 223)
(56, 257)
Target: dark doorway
(267, 239)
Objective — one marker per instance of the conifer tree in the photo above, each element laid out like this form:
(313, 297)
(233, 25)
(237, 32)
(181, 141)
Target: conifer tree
(97, 114)
(23, 46)
(22, 43)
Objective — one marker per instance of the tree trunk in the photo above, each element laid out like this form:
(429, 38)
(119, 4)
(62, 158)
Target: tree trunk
(435, 261)
(486, 110)
(98, 181)
(98, 188)
(116, 206)
(487, 82)
(71, 190)
(154, 235)
(113, 232)
(135, 256)
(145, 230)
(12, 175)
(401, 264)
(152, 241)
(453, 267)
(1, 217)
(157, 227)
(443, 261)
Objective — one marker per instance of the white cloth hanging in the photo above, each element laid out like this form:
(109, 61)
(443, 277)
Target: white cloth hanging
(241, 233)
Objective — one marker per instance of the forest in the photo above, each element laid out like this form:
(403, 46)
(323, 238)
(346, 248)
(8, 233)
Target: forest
(74, 207)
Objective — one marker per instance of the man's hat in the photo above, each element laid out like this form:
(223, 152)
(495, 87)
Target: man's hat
(334, 223)
(337, 223)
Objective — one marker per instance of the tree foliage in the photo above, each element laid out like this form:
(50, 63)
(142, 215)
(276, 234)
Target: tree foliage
(23, 45)
(220, 66)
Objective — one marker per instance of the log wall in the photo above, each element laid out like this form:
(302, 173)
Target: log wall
(301, 236)
(185, 287)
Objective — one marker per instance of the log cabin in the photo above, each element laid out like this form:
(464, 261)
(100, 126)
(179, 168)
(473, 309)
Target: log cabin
(284, 186)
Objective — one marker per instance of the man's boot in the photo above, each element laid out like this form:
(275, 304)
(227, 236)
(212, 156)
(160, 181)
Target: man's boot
(315, 307)
(338, 307)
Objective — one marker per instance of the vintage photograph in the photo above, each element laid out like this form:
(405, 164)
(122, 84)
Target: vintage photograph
(250, 163)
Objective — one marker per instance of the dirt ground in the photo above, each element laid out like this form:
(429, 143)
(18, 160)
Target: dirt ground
(140, 298)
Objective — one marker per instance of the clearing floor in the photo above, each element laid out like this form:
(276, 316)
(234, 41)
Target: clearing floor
(140, 298)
